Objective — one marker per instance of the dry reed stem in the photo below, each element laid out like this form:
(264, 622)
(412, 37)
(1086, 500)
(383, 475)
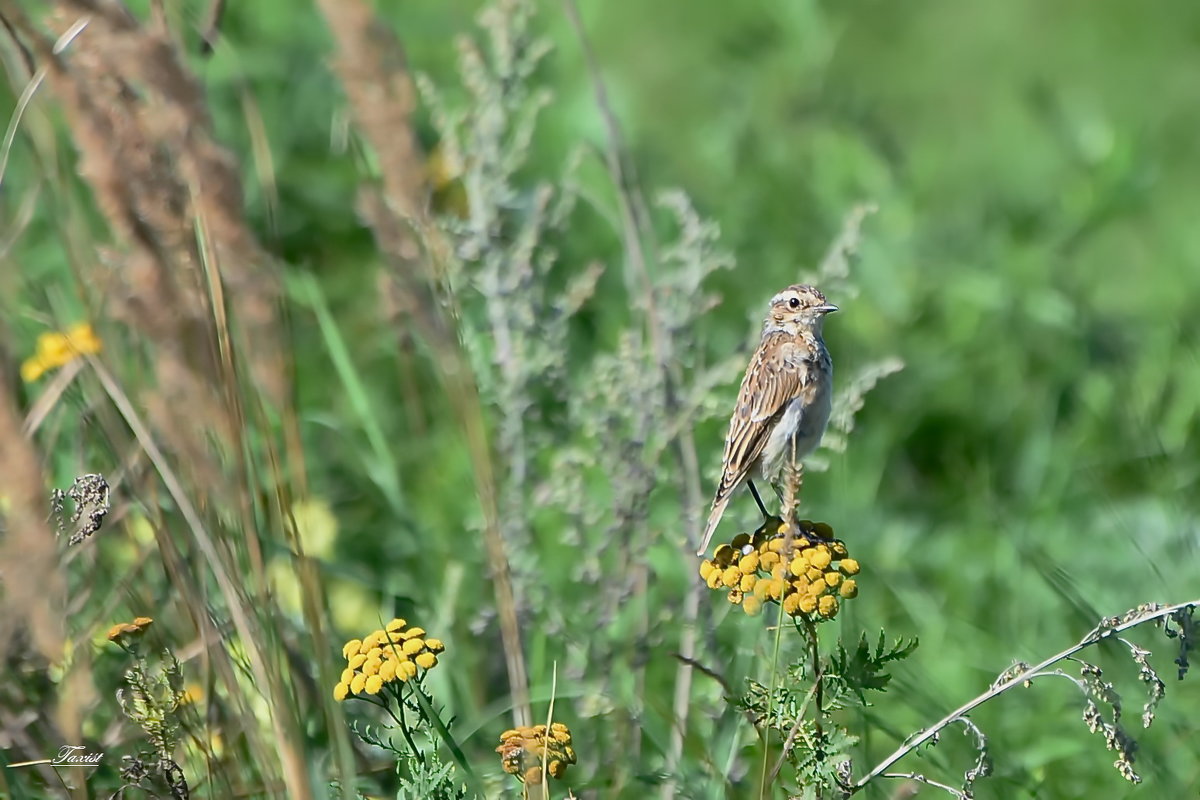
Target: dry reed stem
(143, 133)
(370, 65)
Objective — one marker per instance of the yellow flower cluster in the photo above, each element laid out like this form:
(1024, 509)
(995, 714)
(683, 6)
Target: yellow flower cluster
(524, 750)
(807, 576)
(55, 349)
(395, 653)
(127, 634)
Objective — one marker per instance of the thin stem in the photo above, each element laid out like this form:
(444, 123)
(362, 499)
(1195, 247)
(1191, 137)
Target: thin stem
(1097, 634)
(791, 737)
(403, 722)
(814, 649)
(919, 778)
(762, 785)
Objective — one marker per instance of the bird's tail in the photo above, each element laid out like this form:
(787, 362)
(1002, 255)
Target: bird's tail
(714, 518)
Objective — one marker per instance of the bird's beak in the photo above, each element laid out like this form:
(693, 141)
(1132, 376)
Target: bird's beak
(827, 308)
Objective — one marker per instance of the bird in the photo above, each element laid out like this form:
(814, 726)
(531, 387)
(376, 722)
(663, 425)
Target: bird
(785, 400)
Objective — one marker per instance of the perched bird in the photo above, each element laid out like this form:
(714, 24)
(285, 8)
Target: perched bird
(785, 399)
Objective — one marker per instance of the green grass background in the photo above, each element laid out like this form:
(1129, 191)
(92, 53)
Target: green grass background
(1035, 262)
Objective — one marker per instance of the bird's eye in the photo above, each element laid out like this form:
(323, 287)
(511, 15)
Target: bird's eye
(794, 302)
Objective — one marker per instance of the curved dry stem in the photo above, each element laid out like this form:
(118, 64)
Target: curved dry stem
(1109, 628)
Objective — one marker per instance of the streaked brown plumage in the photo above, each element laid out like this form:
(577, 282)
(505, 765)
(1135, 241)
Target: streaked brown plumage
(785, 399)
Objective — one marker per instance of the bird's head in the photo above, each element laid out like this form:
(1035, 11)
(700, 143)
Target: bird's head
(799, 306)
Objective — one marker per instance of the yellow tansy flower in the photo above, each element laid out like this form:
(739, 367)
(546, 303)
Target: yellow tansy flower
(55, 349)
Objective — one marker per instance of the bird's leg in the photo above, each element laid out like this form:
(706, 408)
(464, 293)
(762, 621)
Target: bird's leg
(757, 499)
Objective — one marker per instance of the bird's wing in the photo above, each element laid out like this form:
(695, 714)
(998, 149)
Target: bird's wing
(771, 381)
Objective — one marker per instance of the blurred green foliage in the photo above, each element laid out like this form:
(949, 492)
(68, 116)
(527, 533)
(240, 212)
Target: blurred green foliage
(1033, 262)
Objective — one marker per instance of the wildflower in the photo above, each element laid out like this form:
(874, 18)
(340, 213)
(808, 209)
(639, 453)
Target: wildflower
(395, 653)
(527, 751)
(126, 635)
(55, 349)
(808, 573)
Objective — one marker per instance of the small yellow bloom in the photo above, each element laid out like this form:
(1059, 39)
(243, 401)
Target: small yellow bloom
(706, 567)
(832, 579)
(55, 349)
(799, 565)
(808, 604)
(374, 652)
(396, 625)
(848, 566)
(406, 670)
(192, 693)
(374, 683)
(340, 691)
(747, 583)
(817, 587)
(748, 564)
(849, 589)
(32, 369)
(412, 647)
(347, 675)
(827, 606)
(388, 671)
(426, 660)
(735, 596)
(357, 660)
(316, 526)
(752, 605)
(356, 685)
(434, 645)
(556, 769)
(813, 574)
(768, 560)
(820, 557)
(731, 576)
(714, 579)
(791, 604)
(371, 666)
(350, 648)
(414, 632)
